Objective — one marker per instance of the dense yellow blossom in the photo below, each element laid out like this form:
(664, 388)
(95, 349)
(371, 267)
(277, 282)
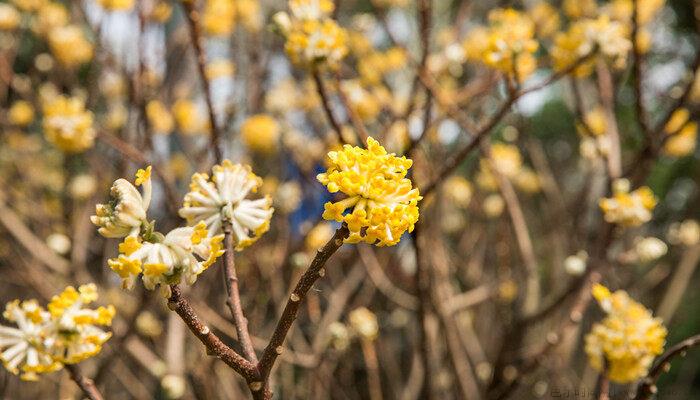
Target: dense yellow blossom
(628, 208)
(45, 340)
(125, 213)
(546, 19)
(21, 113)
(682, 134)
(67, 124)
(626, 340)
(260, 133)
(384, 203)
(315, 42)
(70, 46)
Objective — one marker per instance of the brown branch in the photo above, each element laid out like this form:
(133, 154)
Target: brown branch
(234, 298)
(85, 384)
(637, 61)
(325, 101)
(648, 385)
(212, 342)
(193, 19)
(357, 123)
(310, 276)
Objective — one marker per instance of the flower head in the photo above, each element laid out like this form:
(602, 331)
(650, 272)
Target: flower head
(223, 198)
(68, 125)
(260, 133)
(44, 340)
(628, 208)
(384, 203)
(627, 339)
(183, 253)
(125, 214)
(69, 45)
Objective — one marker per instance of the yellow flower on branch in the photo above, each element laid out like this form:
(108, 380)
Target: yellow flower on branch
(627, 208)
(627, 340)
(382, 200)
(67, 124)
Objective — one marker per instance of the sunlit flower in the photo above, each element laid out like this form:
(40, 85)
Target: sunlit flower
(627, 340)
(69, 45)
(68, 125)
(628, 208)
(21, 113)
(364, 323)
(223, 199)
(384, 203)
(576, 264)
(339, 335)
(182, 254)
(316, 42)
(649, 249)
(311, 9)
(260, 133)
(125, 214)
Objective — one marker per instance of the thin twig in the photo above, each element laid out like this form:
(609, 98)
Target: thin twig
(234, 298)
(648, 385)
(325, 101)
(85, 384)
(313, 273)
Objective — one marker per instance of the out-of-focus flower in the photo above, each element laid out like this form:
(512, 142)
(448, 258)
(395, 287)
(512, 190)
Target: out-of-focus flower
(260, 133)
(184, 253)
(45, 340)
(493, 205)
(363, 103)
(220, 69)
(148, 325)
(160, 12)
(364, 323)
(82, 186)
(507, 45)
(596, 122)
(458, 190)
(580, 8)
(174, 386)
(69, 45)
(506, 159)
(576, 264)
(311, 9)
(339, 335)
(223, 199)
(9, 17)
(67, 124)
(384, 203)
(219, 17)
(116, 5)
(21, 113)
(628, 208)
(528, 181)
(50, 16)
(508, 291)
(29, 5)
(159, 117)
(116, 117)
(249, 15)
(649, 249)
(59, 243)
(189, 118)
(627, 340)
(318, 236)
(686, 233)
(288, 197)
(683, 134)
(546, 19)
(125, 214)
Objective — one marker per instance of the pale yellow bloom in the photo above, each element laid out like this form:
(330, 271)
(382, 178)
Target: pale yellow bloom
(68, 125)
(364, 323)
(9, 17)
(628, 208)
(189, 118)
(627, 340)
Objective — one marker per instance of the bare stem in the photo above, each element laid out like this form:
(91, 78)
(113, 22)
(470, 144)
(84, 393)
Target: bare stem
(86, 385)
(234, 298)
(325, 101)
(648, 385)
(289, 315)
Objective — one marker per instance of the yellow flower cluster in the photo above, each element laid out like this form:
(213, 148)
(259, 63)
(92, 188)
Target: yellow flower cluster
(627, 208)
(607, 37)
(682, 133)
(260, 133)
(313, 38)
(627, 340)
(9, 17)
(384, 203)
(219, 17)
(508, 44)
(45, 340)
(67, 124)
(70, 46)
